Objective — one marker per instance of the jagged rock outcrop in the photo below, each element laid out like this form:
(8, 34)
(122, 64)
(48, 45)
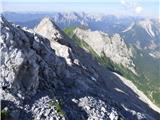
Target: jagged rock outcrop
(28, 65)
(102, 111)
(53, 33)
(114, 47)
(45, 77)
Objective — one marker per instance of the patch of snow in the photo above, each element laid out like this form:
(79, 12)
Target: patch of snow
(147, 25)
(117, 89)
(94, 79)
(95, 16)
(152, 55)
(129, 28)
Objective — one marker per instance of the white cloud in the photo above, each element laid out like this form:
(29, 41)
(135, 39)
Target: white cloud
(132, 5)
(123, 2)
(138, 9)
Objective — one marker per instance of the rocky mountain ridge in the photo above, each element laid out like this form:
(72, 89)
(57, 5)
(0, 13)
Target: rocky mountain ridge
(45, 76)
(113, 47)
(142, 32)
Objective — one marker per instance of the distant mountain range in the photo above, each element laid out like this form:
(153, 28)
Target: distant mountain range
(67, 19)
(79, 66)
(142, 32)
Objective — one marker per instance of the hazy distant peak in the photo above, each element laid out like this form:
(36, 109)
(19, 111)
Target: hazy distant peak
(147, 25)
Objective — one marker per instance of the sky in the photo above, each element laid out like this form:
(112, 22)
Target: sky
(149, 8)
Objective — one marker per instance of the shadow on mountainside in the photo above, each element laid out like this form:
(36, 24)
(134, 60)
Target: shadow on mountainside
(107, 82)
(81, 85)
(13, 112)
(103, 88)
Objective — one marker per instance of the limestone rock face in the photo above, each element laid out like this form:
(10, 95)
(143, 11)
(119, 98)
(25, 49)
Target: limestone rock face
(19, 66)
(48, 29)
(27, 64)
(46, 77)
(113, 48)
(102, 111)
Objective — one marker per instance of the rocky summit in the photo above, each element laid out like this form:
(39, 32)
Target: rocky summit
(45, 76)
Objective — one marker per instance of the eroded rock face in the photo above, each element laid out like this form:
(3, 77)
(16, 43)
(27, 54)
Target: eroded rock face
(96, 108)
(28, 63)
(43, 79)
(19, 67)
(52, 32)
(46, 109)
(114, 47)
(48, 29)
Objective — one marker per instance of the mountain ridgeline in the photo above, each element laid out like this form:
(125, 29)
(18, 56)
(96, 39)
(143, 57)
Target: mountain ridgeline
(118, 56)
(47, 75)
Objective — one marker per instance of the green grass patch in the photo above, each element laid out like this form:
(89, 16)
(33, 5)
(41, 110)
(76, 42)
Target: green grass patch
(4, 114)
(57, 106)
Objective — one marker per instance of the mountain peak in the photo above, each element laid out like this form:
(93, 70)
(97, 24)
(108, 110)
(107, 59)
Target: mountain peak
(47, 20)
(147, 25)
(47, 28)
